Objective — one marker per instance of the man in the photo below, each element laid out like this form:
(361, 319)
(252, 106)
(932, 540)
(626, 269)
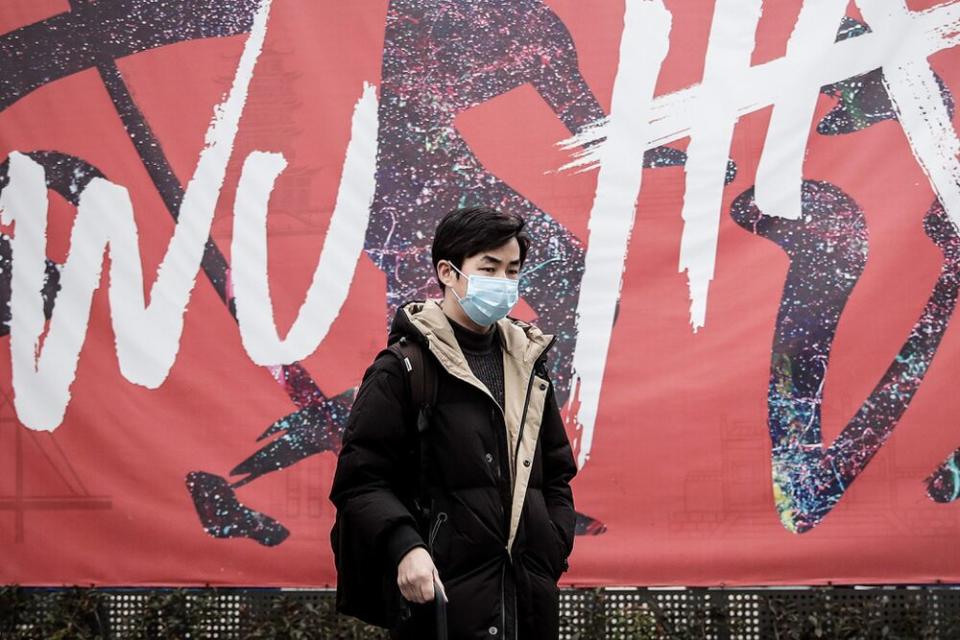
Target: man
(469, 501)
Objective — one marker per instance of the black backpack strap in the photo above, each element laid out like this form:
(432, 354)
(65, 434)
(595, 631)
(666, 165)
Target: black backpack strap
(422, 379)
(422, 376)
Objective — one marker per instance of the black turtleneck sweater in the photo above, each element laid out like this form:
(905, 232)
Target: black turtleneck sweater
(484, 356)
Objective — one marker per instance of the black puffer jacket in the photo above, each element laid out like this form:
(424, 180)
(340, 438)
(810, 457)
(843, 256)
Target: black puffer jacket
(494, 492)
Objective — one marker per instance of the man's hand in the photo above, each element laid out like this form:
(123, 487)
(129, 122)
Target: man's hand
(416, 575)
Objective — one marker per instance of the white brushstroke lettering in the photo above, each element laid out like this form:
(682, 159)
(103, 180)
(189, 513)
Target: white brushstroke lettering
(645, 41)
(341, 247)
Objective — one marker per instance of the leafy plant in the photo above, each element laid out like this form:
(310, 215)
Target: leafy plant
(288, 618)
(172, 615)
(842, 614)
(68, 614)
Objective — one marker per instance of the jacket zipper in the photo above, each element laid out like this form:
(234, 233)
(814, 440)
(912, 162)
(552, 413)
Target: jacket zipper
(516, 631)
(503, 599)
(441, 518)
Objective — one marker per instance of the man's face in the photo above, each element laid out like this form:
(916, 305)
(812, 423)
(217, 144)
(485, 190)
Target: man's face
(502, 262)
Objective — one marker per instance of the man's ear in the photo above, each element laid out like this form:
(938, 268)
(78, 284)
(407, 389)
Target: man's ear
(446, 273)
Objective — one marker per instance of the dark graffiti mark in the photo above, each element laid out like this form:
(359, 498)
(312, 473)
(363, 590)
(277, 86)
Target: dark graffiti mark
(300, 438)
(223, 516)
(40, 53)
(827, 248)
(943, 485)
(439, 60)
(587, 526)
(863, 100)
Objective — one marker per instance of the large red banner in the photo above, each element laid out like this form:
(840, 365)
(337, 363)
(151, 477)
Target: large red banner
(211, 210)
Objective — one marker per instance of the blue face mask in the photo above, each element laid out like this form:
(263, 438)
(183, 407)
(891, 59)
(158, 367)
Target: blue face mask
(488, 299)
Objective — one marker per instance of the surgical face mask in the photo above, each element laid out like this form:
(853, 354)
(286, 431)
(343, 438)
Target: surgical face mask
(488, 299)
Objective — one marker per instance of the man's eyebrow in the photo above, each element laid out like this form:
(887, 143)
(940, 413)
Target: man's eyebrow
(489, 258)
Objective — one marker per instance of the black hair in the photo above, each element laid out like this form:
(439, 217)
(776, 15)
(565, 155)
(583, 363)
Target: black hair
(468, 231)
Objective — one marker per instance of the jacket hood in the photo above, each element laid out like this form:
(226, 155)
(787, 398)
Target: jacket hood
(425, 322)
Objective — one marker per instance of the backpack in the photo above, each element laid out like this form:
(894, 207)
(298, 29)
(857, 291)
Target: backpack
(390, 608)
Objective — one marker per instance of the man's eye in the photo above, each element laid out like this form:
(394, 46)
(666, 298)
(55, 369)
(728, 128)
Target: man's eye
(490, 269)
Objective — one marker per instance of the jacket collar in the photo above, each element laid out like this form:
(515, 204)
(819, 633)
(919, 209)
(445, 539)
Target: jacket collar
(520, 340)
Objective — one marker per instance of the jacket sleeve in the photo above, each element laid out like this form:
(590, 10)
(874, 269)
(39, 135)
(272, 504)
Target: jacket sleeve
(559, 468)
(374, 464)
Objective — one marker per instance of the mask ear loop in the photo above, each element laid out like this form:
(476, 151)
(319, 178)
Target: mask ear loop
(459, 299)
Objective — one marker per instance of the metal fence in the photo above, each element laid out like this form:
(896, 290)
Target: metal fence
(585, 614)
